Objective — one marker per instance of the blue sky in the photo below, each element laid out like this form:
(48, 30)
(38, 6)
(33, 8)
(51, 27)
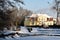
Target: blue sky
(37, 5)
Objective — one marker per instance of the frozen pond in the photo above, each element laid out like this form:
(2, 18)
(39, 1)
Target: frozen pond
(41, 38)
(35, 31)
(49, 31)
(46, 31)
(33, 38)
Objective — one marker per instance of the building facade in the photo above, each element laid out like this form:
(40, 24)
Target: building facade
(31, 20)
(39, 19)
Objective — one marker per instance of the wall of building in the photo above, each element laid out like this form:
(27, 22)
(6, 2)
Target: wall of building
(39, 20)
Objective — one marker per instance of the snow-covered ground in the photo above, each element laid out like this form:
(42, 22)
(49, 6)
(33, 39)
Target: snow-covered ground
(23, 30)
(32, 38)
(40, 38)
(34, 32)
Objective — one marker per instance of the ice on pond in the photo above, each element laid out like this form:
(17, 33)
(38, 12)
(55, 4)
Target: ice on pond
(9, 38)
(6, 37)
(40, 38)
(49, 31)
(2, 39)
(33, 38)
(35, 30)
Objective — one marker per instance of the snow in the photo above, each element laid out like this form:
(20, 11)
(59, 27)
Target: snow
(34, 30)
(8, 32)
(44, 15)
(15, 35)
(33, 15)
(8, 38)
(24, 30)
(49, 31)
(40, 38)
(33, 38)
(2, 39)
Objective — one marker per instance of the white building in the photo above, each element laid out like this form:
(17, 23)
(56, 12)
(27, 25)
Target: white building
(40, 19)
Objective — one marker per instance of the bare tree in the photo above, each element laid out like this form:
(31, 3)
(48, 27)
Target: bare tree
(57, 8)
(8, 10)
(21, 15)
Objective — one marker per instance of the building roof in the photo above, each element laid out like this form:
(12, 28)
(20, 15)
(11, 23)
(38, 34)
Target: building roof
(33, 15)
(44, 15)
